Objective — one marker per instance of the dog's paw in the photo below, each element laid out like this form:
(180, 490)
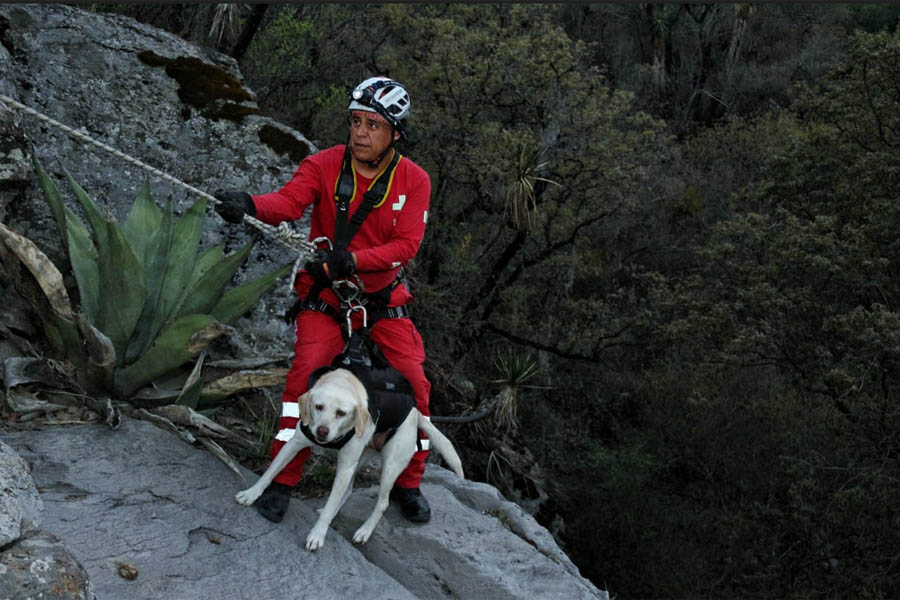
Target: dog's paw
(362, 534)
(316, 538)
(246, 497)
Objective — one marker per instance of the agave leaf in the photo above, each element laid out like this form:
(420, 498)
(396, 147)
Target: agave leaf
(59, 326)
(101, 354)
(91, 210)
(84, 260)
(51, 193)
(190, 396)
(82, 252)
(142, 225)
(123, 289)
(202, 296)
(205, 262)
(156, 265)
(182, 255)
(236, 301)
(190, 393)
(45, 272)
(177, 343)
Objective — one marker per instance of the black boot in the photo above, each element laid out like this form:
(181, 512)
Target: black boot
(273, 502)
(412, 503)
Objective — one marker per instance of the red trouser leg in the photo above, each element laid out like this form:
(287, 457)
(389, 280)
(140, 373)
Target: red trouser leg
(319, 340)
(402, 346)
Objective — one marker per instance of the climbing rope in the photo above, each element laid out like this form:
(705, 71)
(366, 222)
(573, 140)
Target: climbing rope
(283, 234)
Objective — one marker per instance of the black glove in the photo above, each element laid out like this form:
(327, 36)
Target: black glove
(327, 265)
(233, 205)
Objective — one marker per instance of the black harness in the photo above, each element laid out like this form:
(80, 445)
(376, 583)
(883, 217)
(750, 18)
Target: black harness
(390, 394)
(344, 230)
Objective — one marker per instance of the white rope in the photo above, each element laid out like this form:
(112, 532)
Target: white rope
(283, 234)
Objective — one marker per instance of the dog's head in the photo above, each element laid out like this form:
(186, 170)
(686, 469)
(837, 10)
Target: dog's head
(337, 403)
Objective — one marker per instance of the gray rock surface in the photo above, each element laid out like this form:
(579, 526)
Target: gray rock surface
(143, 498)
(20, 504)
(39, 566)
(178, 107)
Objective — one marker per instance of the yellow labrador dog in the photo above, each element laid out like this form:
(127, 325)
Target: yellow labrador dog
(336, 407)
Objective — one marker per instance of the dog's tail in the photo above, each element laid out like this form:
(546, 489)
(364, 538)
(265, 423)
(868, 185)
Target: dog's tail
(443, 445)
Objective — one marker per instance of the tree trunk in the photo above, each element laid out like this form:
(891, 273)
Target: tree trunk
(250, 29)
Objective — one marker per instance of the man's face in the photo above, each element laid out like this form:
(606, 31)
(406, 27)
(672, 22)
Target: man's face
(369, 136)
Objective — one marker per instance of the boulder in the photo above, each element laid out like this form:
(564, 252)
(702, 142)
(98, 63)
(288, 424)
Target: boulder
(40, 566)
(20, 503)
(152, 517)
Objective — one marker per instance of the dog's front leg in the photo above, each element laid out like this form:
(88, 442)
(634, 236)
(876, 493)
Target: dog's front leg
(348, 458)
(294, 445)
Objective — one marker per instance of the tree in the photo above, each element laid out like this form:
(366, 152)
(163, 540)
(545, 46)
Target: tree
(800, 288)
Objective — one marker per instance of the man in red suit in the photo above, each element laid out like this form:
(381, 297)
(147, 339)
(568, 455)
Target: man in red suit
(387, 238)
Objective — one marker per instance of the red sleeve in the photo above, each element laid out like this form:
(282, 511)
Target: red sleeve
(409, 231)
(289, 203)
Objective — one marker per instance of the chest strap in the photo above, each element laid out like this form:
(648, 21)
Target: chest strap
(344, 191)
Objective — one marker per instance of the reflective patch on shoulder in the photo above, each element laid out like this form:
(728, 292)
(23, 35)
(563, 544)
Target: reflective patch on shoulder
(290, 409)
(425, 217)
(395, 264)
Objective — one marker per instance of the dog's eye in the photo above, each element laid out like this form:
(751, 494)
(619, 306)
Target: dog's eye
(340, 413)
(319, 407)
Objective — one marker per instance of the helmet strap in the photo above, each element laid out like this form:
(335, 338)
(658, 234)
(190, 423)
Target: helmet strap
(374, 163)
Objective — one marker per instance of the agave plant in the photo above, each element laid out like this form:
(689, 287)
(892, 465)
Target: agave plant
(515, 370)
(149, 301)
(521, 201)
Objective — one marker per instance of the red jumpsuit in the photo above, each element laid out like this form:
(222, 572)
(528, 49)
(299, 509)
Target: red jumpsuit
(388, 239)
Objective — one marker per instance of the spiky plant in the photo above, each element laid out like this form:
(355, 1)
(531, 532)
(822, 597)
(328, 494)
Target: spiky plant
(521, 201)
(226, 20)
(515, 370)
(149, 302)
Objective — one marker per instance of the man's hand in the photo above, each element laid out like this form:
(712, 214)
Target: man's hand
(328, 265)
(233, 205)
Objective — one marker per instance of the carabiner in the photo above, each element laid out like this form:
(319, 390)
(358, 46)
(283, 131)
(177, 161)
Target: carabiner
(345, 290)
(321, 239)
(350, 312)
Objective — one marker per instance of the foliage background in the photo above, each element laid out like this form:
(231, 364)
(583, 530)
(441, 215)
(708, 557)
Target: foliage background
(705, 268)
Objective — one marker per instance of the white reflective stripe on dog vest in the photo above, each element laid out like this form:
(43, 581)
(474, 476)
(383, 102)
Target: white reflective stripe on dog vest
(290, 409)
(285, 435)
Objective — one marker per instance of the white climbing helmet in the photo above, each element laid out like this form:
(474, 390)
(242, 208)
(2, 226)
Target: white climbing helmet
(383, 96)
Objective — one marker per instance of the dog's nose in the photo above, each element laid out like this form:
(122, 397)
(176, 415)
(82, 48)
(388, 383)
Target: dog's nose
(321, 432)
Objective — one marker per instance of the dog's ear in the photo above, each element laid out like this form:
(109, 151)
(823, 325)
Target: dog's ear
(306, 408)
(362, 418)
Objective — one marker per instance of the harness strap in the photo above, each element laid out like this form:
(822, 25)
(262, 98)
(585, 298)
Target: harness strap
(376, 308)
(345, 228)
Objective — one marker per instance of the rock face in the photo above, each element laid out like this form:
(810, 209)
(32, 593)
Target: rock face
(20, 504)
(174, 106)
(151, 517)
(33, 564)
